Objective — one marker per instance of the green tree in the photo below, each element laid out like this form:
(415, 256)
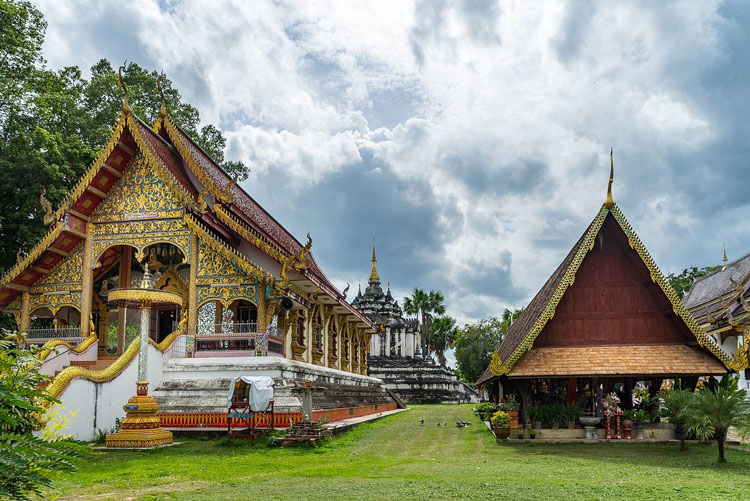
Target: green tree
(442, 333)
(715, 408)
(682, 282)
(475, 342)
(675, 407)
(425, 305)
(26, 462)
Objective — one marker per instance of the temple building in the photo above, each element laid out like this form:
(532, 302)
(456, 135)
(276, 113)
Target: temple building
(605, 320)
(719, 302)
(395, 353)
(253, 299)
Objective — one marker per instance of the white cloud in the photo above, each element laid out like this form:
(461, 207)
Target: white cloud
(498, 118)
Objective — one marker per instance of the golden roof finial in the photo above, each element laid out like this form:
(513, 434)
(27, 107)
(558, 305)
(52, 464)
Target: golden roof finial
(725, 260)
(374, 273)
(610, 202)
(125, 103)
(163, 109)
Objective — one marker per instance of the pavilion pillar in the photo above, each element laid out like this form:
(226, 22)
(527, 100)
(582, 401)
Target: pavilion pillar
(572, 392)
(218, 315)
(654, 387)
(689, 383)
(25, 322)
(627, 389)
(87, 281)
(193, 286)
(525, 390)
(126, 258)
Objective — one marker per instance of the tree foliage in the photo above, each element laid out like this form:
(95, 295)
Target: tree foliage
(475, 342)
(26, 462)
(52, 123)
(425, 305)
(682, 282)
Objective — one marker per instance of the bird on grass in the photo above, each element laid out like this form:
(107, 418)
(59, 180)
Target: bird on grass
(421, 421)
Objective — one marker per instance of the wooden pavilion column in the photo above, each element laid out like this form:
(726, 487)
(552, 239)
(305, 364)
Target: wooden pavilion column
(103, 327)
(126, 258)
(25, 313)
(87, 281)
(193, 286)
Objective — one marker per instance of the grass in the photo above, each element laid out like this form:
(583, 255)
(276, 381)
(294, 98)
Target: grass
(397, 458)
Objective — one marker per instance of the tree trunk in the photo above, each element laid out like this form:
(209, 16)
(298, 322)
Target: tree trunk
(721, 435)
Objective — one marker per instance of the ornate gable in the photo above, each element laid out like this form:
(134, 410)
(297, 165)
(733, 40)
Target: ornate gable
(139, 194)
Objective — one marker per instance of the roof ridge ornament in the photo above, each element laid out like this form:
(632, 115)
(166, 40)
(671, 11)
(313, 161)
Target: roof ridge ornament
(724, 260)
(125, 103)
(610, 202)
(163, 108)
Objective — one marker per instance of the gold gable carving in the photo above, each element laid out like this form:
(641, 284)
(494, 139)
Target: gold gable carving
(140, 191)
(212, 264)
(67, 271)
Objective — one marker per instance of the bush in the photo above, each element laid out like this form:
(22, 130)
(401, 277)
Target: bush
(500, 419)
(510, 404)
(485, 410)
(572, 411)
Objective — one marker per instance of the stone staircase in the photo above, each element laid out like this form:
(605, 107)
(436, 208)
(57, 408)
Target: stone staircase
(192, 395)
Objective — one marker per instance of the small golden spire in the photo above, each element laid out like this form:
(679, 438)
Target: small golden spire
(725, 260)
(125, 103)
(163, 109)
(610, 202)
(374, 273)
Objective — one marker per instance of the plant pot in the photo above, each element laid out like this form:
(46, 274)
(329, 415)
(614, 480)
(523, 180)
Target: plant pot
(537, 425)
(513, 415)
(627, 424)
(639, 431)
(555, 426)
(501, 433)
(571, 425)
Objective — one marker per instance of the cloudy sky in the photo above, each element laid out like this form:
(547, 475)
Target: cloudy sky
(470, 138)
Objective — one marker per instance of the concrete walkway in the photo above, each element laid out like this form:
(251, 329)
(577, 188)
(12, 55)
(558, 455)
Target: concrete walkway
(337, 427)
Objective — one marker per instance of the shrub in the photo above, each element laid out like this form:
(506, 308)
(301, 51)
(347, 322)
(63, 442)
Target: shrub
(510, 404)
(500, 419)
(536, 412)
(485, 410)
(572, 411)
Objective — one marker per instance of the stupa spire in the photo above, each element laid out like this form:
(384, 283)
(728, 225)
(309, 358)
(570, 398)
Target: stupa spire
(374, 273)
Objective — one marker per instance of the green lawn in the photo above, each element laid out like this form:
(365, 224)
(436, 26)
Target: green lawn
(397, 458)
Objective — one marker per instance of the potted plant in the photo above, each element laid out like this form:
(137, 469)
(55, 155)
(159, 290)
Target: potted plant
(532, 433)
(640, 417)
(511, 406)
(557, 416)
(572, 411)
(535, 415)
(500, 422)
(627, 423)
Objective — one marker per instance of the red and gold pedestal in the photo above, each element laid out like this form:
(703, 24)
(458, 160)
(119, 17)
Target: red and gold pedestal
(141, 427)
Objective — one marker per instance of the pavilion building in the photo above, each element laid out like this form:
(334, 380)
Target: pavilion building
(254, 300)
(719, 302)
(605, 319)
(395, 353)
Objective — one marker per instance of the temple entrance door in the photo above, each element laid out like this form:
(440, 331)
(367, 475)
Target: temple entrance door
(166, 324)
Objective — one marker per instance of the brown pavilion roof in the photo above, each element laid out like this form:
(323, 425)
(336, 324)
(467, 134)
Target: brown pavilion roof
(521, 335)
(630, 360)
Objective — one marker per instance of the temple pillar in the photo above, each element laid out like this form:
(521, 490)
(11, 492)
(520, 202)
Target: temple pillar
(409, 348)
(218, 314)
(103, 327)
(25, 313)
(126, 257)
(193, 286)
(261, 307)
(387, 341)
(87, 281)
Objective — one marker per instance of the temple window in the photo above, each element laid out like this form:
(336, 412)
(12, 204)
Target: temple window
(333, 347)
(300, 331)
(318, 337)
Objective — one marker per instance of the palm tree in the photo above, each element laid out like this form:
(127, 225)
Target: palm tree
(676, 405)
(442, 334)
(718, 406)
(424, 304)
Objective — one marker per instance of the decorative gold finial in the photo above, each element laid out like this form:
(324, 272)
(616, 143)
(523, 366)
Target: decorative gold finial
(374, 273)
(125, 103)
(163, 109)
(49, 214)
(610, 202)
(725, 260)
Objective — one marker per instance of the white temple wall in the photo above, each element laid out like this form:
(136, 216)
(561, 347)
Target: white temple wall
(62, 356)
(409, 348)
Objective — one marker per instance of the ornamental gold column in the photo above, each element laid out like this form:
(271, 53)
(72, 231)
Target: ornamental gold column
(87, 281)
(142, 427)
(193, 286)
(262, 321)
(25, 313)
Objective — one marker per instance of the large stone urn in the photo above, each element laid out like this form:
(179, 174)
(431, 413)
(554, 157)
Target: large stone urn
(589, 425)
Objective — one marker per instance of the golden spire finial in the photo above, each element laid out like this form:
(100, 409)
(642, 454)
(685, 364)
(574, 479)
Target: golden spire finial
(374, 273)
(725, 260)
(163, 109)
(610, 202)
(125, 103)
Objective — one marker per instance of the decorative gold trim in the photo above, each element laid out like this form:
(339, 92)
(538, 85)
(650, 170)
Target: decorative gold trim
(251, 235)
(33, 255)
(80, 348)
(144, 295)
